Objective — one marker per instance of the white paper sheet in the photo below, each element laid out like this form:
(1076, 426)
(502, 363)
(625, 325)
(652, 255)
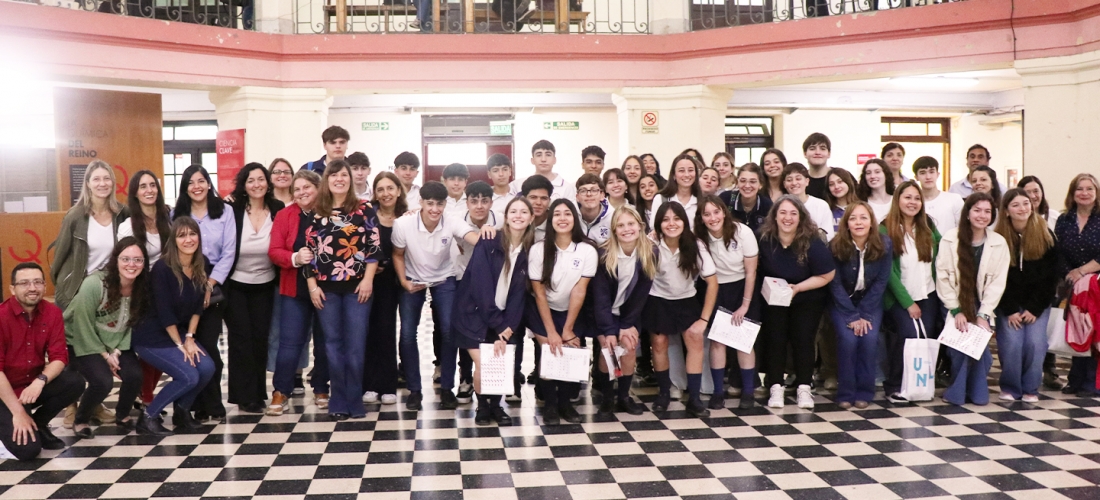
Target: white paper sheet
(972, 342)
(572, 366)
(35, 204)
(742, 338)
(13, 207)
(614, 363)
(497, 372)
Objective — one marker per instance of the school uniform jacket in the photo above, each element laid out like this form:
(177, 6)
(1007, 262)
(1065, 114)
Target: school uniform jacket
(476, 311)
(876, 274)
(604, 288)
(992, 272)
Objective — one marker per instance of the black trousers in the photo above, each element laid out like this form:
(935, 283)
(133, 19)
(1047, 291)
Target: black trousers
(56, 395)
(248, 327)
(209, 333)
(97, 373)
(380, 365)
(795, 326)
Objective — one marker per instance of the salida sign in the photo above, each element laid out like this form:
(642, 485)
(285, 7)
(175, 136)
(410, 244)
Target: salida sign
(230, 158)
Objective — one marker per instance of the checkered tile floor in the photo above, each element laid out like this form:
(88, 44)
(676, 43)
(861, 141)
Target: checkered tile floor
(1023, 451)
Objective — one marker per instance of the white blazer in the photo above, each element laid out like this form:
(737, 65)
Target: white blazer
(992, 271)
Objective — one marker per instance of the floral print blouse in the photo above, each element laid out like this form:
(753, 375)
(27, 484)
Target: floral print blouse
(343, 244)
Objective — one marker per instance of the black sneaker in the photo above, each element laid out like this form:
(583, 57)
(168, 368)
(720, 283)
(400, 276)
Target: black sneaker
(630, 406)
(518, 394)
(50, 441)
(550, 416)
(483, 416)
(448, 401)
(662, 401)
(747, 401)
(532, 379)
(465, 393)
(607, 406)
(569, 414)
(502, 419)
(413, 401)
(717, 400)
(697, 409)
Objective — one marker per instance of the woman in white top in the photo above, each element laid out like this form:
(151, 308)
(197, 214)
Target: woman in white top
(723, 163)
(250, 289)
(559, 269)
(672, 307)
(150, 228)
(733, 249)
(971, 272)
(876, 187)
(616, 187)
(682, 188)
(796, 178)
(773, 161)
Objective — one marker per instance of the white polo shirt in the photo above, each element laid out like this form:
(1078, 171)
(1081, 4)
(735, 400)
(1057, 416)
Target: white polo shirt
(563, 188)
(428, 253)
(945, 210)
(729, 260)
(577, 261)
(462, 251)
(821, 214)
(540, 230)
(690, 208)
(599, 230)
(456, 207)
(670, 282)
(413, 197)
(500, 201)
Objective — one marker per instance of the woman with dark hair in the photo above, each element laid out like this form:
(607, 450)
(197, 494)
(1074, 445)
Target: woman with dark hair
(199, 200)
(971, 271)
(790, 249)
(748, 203)
(345, 244)
(894, 156)
(984, 180)
(653, 167)
(734, 250)
(1078, 236)
(617, 189)
(632, 172)
(97, 326)
(682, 189)
(289, 251)
(250, 290)
(1037, 193)
(727, 177)
(840, 193)
(164, 336)
(559, 269)
(380, 368)
(647, 192)
(693, 153)
(673, 308)
(1024, 309)
(911, 292)
(876, 187)
(774, 162)
(863, 258)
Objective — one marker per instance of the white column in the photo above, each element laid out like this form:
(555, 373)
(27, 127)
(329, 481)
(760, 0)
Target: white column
(1061, 119)
(688, 116)
(275, 16)
(278, 122)
(669, 16)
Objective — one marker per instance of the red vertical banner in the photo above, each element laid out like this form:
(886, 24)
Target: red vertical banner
(230, 158)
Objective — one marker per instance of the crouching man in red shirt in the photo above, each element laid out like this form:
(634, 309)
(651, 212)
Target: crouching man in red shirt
(32, 331)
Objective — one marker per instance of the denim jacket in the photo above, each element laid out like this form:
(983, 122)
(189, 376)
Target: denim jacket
(854, 305)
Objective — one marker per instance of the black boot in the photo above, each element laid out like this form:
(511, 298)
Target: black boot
(183, 421)
(152, 426)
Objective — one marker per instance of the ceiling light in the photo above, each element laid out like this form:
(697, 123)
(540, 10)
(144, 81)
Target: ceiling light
(936, 82)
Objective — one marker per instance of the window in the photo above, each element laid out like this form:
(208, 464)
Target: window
(747, 137)
(921, 137)
(186, 144)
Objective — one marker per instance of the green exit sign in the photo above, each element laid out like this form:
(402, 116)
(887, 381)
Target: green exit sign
(376, 126)
(561, 125)
(500, 129)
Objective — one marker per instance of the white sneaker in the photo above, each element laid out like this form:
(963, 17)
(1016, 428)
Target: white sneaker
(389, 399)
(370, 397)
(1030, 398)
(805, 397)
(776, 399)
(1007, 397)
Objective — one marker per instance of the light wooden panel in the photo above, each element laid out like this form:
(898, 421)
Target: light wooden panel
(26, 239)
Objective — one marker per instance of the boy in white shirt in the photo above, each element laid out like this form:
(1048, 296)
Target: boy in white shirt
(406, 166)
(360, 174)
(455, 177)
(544, 157)
(500, 177)
(944, 208)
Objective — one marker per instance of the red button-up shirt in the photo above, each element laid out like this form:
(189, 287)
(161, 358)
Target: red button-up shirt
(26, 343)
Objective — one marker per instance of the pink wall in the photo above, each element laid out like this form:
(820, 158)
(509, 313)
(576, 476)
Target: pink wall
(976, 34)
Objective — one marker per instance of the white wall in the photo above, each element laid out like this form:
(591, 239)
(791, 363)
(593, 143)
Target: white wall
(380, 146)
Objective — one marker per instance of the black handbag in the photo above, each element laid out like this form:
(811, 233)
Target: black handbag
(217, 296)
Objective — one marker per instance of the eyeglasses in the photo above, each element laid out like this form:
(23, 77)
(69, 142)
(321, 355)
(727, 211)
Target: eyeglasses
(132, 260)
(591, 191)
(281, 172)
(29, 283)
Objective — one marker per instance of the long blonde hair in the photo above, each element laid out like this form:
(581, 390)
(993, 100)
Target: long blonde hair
(525, 241)
(643, 249)
(1036, 238)
(85, 201)
(171, 255)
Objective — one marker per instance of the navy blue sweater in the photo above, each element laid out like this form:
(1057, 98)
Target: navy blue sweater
(876, 274)
(475, 311)
(603, 290)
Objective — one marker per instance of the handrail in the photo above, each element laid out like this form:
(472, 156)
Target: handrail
(709, 14)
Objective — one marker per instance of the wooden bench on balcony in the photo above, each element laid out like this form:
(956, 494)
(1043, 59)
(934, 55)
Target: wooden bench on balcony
(576, 18)
(386, 12)
(480, 14)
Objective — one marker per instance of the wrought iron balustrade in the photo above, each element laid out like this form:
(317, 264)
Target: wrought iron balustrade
(224, 13)
(708, 14)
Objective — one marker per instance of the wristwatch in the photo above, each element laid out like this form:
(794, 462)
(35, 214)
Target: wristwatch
(43, 378)
(986, 317)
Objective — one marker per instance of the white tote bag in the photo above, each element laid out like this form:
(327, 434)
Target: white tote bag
(1056, 335)
(918, 380)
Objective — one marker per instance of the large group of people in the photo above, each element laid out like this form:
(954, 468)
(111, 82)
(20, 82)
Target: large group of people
(622, 259)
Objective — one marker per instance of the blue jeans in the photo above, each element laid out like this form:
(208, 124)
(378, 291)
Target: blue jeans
(187, 381)
(424, 14)
(276, 330)
(930, 315)
(297, 317)
(970, 378)
(856, 359)
(345, 322)
(1021, 352)
(411, 305)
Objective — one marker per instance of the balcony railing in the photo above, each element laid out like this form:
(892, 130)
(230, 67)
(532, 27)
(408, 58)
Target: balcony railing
(473, 16)
(708, 14)
(224, 13)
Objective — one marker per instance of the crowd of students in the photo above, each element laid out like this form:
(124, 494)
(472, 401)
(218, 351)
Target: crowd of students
(620, 259)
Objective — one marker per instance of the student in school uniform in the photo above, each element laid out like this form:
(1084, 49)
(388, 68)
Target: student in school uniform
(795, 180)
(422, 258)
(944, 207)
(360, 172)
(841, 193)
(544, 157)
(592, 160)
(594, 210)
(733, 248)
(876, 187)
(454, 177)
(495, 288)
(335, 140)
(673, 308)
(682, 188)
(616, 188)
(632, 173)
(406, 166)
(537, 190)
(559, 269)
(500, 177)
(628, 262)
(749, 203)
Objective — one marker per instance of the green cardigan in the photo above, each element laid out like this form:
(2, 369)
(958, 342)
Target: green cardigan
(70, 257)
(895, 290)
(91, 328)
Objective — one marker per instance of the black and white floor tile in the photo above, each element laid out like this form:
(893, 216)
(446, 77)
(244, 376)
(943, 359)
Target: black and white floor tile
(1023, 451)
